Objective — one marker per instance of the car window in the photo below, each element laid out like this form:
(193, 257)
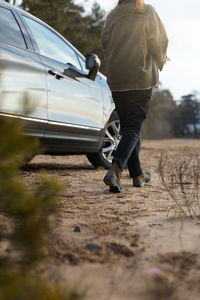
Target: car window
(10, 31)
(51, 45)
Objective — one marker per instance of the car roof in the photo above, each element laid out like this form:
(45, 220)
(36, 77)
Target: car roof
(22, 11)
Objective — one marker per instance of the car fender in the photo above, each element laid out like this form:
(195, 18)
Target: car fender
(108, 105)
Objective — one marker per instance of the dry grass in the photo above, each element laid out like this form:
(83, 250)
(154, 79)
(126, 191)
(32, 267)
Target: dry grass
(181, 178)
(127, 247)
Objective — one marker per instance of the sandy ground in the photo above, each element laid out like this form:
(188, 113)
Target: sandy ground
(128, 246)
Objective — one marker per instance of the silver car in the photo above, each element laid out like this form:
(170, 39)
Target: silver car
(73, 106)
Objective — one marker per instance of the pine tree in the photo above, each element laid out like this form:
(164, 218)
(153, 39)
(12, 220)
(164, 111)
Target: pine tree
(59, 14)
(69, 19)
(13, 2)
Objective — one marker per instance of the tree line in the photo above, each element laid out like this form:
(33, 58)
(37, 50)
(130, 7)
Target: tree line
(169, 118)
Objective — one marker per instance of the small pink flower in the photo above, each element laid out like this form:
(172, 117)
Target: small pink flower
(154, 271)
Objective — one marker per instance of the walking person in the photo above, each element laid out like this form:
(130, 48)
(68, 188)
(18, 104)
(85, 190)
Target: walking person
(134, 43)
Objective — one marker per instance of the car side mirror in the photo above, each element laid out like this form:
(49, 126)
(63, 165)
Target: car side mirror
(92, 64)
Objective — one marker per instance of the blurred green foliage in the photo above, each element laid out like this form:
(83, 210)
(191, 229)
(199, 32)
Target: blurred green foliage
(17, 286)
(26, 213)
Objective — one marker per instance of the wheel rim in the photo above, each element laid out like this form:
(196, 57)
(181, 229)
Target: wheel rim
(111, 140)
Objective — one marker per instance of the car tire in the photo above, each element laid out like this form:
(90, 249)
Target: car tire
(111, 140)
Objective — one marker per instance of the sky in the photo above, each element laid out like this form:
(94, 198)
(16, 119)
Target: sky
(182, 22)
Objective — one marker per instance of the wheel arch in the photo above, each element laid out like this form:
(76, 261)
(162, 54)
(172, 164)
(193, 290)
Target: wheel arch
(109, 116)
(110, 140)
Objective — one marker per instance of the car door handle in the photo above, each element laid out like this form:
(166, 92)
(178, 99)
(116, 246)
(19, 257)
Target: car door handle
(56, 74)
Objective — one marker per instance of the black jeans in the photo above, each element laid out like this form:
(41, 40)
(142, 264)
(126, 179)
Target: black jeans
(132, 107)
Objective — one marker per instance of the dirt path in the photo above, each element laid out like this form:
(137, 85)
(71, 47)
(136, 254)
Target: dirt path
(124, 239)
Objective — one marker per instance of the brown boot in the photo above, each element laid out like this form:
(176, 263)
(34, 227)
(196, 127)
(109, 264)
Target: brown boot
(112, 178)
(139, 181)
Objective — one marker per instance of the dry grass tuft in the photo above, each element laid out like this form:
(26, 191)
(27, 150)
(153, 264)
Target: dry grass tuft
(180, 177)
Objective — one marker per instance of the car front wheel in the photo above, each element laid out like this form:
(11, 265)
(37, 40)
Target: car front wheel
(111, 140)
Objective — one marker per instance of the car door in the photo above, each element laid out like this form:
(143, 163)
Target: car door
(23, 80)
(75, 110)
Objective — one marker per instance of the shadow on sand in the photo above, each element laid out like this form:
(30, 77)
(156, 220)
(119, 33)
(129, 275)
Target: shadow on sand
(55, 166)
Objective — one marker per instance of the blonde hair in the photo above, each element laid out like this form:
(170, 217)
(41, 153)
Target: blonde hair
(139, 7)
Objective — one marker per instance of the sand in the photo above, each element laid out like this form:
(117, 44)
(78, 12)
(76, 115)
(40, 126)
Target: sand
(121, 246)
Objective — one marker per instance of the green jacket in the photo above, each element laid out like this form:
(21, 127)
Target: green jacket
(134, 47)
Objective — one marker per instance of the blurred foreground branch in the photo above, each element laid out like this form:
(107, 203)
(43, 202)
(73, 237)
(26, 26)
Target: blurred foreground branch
(25, 221)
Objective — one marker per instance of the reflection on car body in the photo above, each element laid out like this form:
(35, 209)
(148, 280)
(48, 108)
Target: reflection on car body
(73, 107)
